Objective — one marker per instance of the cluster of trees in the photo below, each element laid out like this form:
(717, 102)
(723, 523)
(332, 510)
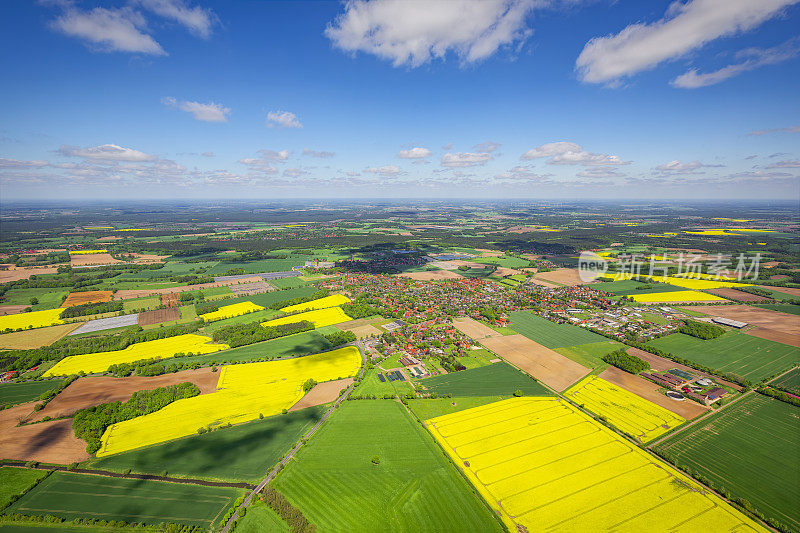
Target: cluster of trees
(624, 361)
(360, 310)
(163, 527)
(322, 293)
(451, 364)
(191, 279)
(24, 359)
(91, 309)
(153, 367)
(338, 338)
(289, 513)
(309, 384)
(701, 330)
(779, 395)
(90, 423)
(243, 334)
(206, 307)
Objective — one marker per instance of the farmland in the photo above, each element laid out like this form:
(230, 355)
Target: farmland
(550, 334)
(572, 473)
(677, 296)
(34, 319)
(749, 450)
(71, 496)
(163, 348)
(305, 343)
(14, 481)
(230, 311)
(320, 317)
(414, 488)
(243, 393)
(13, 393)
(736, 352)
(319, 303)
(789, 381)
(240, 453)
(499, 379)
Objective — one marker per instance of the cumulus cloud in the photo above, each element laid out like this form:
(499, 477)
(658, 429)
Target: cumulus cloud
(413, 32)
(386, 170)
(283, 119)
(788, 129)
(197, 20)
(107, 152)
(685, 27)
(751, 59)
(109, 30)
(414, 153)
(486, 147)
(568, 153)
(322, 154)
(272, 155)
(209, 112)
(465, 159)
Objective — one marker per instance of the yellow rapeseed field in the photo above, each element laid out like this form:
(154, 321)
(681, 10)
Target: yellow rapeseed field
(677, 296)
(629, 412)
(230, 311)
(687, 281)
(319, 303)
(319, 317)
(163, 348)
(85, 252)
(544, 465)
(34, 319)
(243, 392)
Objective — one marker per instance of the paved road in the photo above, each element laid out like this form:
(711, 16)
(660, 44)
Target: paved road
(271, 475)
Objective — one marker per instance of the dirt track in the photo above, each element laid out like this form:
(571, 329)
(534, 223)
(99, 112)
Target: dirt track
(540, 362)
(474, 329)
(688, 409)
(322, 393)
(94, 390)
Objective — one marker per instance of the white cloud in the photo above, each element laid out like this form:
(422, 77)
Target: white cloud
(567, 153)
(752, 59)
(387, 170)
(523, 173)
(413, 32)
(109, 30)
(107, 152)
(465, 159)
(272, 155)
(209, 112)
(16, 163)
(295, 172)
(322, 154)
(679, 167)
(785, 164)
(486, 147)
(283, 119)
(684, 27)
(197, 20)
(414, 153)
(788, 129)
(600, 173)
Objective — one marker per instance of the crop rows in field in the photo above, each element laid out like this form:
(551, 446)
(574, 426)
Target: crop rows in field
(789, 381)
(544, 465)
(498, 379)
(627, 411)
(550, 334)
(750, 449)
(26, 391)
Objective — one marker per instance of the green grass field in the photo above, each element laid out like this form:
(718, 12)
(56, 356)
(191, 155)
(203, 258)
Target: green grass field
(260, 316)
(255, 267)
(590, 355)
(507, 262)
(499, 379)
(550, 334)
(141, 303)
(750, 449)
(240, 453)
(260, 519)
(287, 283)
(70, 495)
(427, 408)
(750, 357)
(372, 385)
(789, 381)
(783, 308)
(13, 393)
(48, 298)
(414, 488)
(476, 358)
(15, 481)
(304, 343)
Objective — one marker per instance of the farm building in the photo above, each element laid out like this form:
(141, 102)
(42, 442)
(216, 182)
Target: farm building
(728, 322)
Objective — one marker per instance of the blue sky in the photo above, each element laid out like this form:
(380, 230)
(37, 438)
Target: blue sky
(397, 98)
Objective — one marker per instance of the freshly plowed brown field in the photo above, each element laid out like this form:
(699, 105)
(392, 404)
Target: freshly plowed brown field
(172, 299)
(785, 290)
(157, 316)
(322, 393)
(11, 309)
(430, 275)
(50, 442)
(564, 276)
(126, 294)
(87, 297)
(688, 409)
(739, 296)
(474, 329)
(540, 362)
(94, 390)
(772, 325)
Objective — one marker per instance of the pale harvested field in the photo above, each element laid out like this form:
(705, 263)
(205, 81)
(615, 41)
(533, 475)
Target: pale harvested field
(358, 322)
(504, 271)
(92, 259)
(366, 331)
(248, 289)
(739, 296)
(11, 309)
(543, 283)
(544, 364)
(157, 316)
(87, 297)
(322, 393)
(564, 276)
(444, 265)
(474, 329)
(148, 258)
(663, 364)
(785, 290)
(127, 294)
(30, 339)
(772, 325)
(16, 274)
(688, 409)
(431, 275)
(471, 264)
(94, 390)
